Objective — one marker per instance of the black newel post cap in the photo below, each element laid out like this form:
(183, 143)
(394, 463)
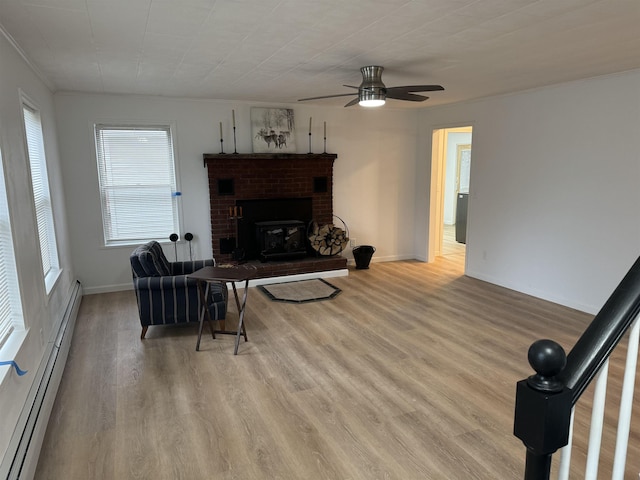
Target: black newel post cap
(543, 403)
(548, 359)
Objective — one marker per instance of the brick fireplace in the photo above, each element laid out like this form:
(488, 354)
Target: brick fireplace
(249, 188)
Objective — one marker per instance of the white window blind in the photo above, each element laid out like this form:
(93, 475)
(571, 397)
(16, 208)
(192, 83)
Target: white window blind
(137, 180)
(9, 293)
(41, 193)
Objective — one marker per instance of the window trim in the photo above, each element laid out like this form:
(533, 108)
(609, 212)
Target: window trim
(15, 329)
(50, 278)
(140, 125)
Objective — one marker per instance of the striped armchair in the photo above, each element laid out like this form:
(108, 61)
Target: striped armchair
(164, 292)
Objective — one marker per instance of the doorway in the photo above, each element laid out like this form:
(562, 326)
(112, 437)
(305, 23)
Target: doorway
(450, 183)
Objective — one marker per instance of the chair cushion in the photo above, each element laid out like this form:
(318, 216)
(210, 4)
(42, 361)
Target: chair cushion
(136, 266)
(148, 260)
(151, 264)
(161, 260)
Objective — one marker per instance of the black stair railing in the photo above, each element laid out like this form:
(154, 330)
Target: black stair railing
(544, 400)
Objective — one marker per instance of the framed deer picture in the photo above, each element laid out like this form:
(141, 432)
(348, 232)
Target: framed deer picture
(273, 130)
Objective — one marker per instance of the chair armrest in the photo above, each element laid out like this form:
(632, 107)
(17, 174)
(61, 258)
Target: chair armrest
(184, 268)
(164, 283)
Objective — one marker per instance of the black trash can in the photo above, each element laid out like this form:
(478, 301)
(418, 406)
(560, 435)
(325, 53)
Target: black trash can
(362, 255)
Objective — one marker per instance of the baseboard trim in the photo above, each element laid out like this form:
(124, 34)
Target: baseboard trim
(108, 288)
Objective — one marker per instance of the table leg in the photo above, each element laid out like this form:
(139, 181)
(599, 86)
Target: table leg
(241, 309)
(205, 311)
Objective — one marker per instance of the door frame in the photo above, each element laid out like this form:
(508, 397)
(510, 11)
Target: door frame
(437, 190)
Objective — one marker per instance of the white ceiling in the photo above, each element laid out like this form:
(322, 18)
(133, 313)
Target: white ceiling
(278, 51)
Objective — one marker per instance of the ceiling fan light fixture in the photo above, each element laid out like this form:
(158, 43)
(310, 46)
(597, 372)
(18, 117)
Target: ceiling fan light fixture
(371, 103)
(371, 99)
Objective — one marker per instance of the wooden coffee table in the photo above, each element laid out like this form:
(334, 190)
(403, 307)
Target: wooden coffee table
(227, 274)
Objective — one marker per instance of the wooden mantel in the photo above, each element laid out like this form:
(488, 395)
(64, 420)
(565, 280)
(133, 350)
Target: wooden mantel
(266, 156)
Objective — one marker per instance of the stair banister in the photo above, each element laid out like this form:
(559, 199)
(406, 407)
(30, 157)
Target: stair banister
(603, 334)
(544, 400)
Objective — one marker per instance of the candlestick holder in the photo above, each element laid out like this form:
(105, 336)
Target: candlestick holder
(234, 140)
(309, 142)
(221, 146)
(235, 213)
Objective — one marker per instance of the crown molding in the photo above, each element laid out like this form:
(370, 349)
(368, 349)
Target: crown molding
(27, 60)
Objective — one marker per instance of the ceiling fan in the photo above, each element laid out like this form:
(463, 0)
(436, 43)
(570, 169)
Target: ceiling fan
(373, 93)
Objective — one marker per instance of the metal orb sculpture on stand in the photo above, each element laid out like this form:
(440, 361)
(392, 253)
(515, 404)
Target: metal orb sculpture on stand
(188, 237)
(174, 238)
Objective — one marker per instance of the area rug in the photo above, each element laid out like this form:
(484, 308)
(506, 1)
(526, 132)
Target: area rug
(301, 291)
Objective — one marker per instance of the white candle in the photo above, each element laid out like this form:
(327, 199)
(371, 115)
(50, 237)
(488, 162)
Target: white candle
(310, 125)
(220, 130)
(325, 129)
(233, 114)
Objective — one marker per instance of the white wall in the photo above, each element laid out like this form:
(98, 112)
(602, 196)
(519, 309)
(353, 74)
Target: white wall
(42, 315)
(554, 195)
(373, 175)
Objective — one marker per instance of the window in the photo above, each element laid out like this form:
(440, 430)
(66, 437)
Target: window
(41, 195)
(10, 312)
(137, 180)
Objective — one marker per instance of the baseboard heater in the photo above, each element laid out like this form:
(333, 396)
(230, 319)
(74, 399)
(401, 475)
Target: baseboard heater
(32, 424)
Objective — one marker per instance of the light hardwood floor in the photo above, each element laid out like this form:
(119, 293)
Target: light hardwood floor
(408, 374)
(449, 244)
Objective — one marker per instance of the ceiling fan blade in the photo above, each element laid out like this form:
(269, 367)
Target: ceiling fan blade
(350, 86)
(416, 88)
(411, 97)
(353, 102)
(328, 96)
